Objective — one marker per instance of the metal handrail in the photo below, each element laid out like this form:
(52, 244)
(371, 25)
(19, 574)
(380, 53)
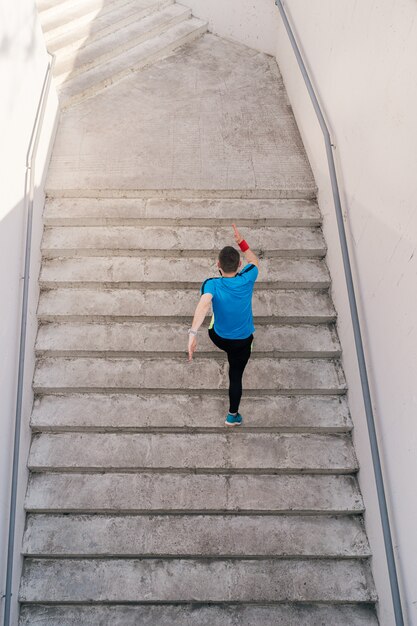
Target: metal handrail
(389, 551)
(28, 208)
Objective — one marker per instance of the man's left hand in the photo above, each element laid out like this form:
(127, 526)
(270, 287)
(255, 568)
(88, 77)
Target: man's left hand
(192, 345)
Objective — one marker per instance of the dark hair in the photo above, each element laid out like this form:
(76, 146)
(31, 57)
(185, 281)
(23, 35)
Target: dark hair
(229, 259)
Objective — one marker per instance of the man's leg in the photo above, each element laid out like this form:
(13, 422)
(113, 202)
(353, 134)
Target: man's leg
(238, 353)
(238, 359)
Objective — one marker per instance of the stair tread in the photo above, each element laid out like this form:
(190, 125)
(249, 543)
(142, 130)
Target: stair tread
(137, 337)
(292, 305)
(289, 273)
(166, 492)
(128, 411)
(209, 615)
(101, 580)
(81, 240)
(264, 373)
(117, 41)
(64, 12)
(290, 212)
(121, 65)
(210, 451)
(205, 535)
(91, 27)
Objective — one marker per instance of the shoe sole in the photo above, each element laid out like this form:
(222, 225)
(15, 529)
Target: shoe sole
(233, 424)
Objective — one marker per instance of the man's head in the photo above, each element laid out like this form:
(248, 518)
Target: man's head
(229, 260)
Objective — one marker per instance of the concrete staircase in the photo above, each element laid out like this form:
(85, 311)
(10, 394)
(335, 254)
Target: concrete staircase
(142, 508)
(99, 42)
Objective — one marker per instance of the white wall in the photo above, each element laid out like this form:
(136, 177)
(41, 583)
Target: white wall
(23, 62)
(363, 57)
(250, 22)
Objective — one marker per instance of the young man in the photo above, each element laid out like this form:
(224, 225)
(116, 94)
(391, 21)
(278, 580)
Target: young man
(232, 326)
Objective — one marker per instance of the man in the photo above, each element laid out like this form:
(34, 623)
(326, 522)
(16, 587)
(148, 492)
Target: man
(231, 328)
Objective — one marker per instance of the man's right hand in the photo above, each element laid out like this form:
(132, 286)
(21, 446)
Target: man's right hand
(238, 237)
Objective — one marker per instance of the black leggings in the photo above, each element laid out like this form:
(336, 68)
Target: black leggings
(238, 352)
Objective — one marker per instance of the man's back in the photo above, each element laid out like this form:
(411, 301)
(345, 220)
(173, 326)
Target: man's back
(232, 302)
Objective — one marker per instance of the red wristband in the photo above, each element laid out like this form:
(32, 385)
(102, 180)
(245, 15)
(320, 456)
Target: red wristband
(243, 245)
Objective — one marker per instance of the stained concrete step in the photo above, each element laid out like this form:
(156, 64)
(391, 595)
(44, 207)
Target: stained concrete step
(214, 452)
(92, 26)
(136, 338)
(168, 492)
(186, 580)
(288, 306)
(187, 272)
(93, 81)
(208, 615)
(316, 376)
(199, 212)
(64, 12)
(191, 535)
(99, 51)
(187, 412)
(141, 240)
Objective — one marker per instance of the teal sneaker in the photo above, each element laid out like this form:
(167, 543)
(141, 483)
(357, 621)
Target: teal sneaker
(233, 420)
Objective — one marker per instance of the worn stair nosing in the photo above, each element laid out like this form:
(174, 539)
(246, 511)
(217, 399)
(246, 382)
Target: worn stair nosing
(37, 428)
(140, 354)
(309, 193)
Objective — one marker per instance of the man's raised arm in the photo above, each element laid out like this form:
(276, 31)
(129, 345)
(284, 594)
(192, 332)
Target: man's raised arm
(249, 255)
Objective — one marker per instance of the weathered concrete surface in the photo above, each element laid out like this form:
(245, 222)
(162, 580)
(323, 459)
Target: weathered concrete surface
(258, 452)
(100, 50)
(129, 338)
(133, 580)
(169, 492)
(94, 80)
(289, 306)
(295, 375)
(188, 411)
(222, 615)
(127, 270)
(211, 212)
(213, 116)
(188, 535)
(140, 240)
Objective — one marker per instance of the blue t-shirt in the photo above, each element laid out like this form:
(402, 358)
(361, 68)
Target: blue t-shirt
(232, 303)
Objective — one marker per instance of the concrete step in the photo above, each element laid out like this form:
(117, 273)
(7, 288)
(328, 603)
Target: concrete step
(93, 81)
(209, 452)
(186, 580)
(97, 52)
(185, 240)
(191, 535)
(168, 492)
(64, 12)
(297, 376)
(187, 272)
(92, 26)
(296, 306)
(187, 412)
(208, 615)
(138, 338)
(160, 211)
